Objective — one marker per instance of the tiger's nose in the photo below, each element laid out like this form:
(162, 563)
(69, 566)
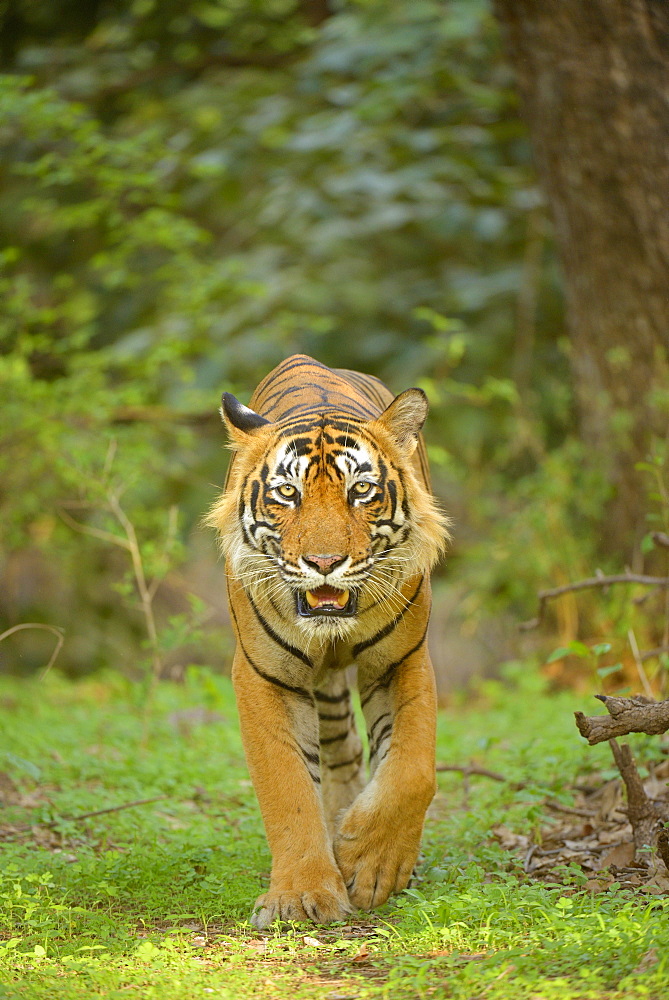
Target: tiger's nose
(324, 563)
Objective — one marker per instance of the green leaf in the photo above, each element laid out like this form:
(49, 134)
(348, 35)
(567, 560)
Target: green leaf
(647, 543)
(605, 671)
(558, 654)
(24, 765)
(579, 648)
(600, 648)
(11, 943)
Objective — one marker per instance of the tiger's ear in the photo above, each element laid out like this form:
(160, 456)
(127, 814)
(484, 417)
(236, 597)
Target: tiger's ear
(404, 418)
(239, 419)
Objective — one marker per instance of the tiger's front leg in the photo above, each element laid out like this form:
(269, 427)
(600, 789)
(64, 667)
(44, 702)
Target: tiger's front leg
(342, 768)
(279, 725)
(378, 840)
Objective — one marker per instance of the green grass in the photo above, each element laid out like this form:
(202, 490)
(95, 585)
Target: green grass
(152, 900)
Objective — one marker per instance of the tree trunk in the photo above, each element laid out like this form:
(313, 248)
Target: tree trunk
(593, 77)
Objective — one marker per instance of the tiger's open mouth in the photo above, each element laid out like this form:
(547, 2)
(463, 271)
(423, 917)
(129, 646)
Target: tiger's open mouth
(326, 602)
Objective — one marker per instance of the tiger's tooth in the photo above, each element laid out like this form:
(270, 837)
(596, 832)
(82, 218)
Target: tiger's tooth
(342, 600)
(312, 600)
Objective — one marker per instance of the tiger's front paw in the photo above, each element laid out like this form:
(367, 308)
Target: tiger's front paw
(301, 896)
(376, 858)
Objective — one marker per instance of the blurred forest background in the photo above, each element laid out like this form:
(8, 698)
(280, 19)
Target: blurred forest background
(193, 189)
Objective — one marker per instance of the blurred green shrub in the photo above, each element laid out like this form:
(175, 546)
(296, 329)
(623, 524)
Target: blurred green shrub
(192, 191)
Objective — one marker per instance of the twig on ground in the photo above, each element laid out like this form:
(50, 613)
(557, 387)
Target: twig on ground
(50, 824)
(626, 715)
(467, 770)
(472, 769)
(483, 772)
(570, 810)
(102, 812)
(595, 581)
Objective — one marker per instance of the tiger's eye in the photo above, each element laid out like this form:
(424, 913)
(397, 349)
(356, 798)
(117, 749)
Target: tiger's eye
(362, 489)
(287, 491)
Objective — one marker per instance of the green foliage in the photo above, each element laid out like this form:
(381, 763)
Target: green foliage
(192, 191)
(590, 654)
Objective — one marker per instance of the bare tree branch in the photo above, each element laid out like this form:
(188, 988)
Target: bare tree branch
(595, 581)
(650, 653)
(88, 529)
(644, 815)
(626, 715)
(663, 847)
(58, 632)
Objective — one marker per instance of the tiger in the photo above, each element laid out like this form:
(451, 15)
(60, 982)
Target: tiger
(330, 530)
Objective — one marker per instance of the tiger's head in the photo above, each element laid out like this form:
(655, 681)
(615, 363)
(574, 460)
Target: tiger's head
(326, 516)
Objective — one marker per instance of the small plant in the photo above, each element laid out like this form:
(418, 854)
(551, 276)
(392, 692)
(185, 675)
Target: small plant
(591, 655)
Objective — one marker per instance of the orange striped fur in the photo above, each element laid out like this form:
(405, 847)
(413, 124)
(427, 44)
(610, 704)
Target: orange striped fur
(330, 531)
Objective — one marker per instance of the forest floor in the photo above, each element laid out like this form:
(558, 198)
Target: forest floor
(132, 852)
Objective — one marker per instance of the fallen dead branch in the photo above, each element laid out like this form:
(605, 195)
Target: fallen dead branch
(52, 823)
(569, 810)
(472, 769)
(626, 715)
(467, 769)
(102, 812)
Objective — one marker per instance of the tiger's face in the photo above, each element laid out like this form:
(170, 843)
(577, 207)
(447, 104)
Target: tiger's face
(327, 519)
(327, 510)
